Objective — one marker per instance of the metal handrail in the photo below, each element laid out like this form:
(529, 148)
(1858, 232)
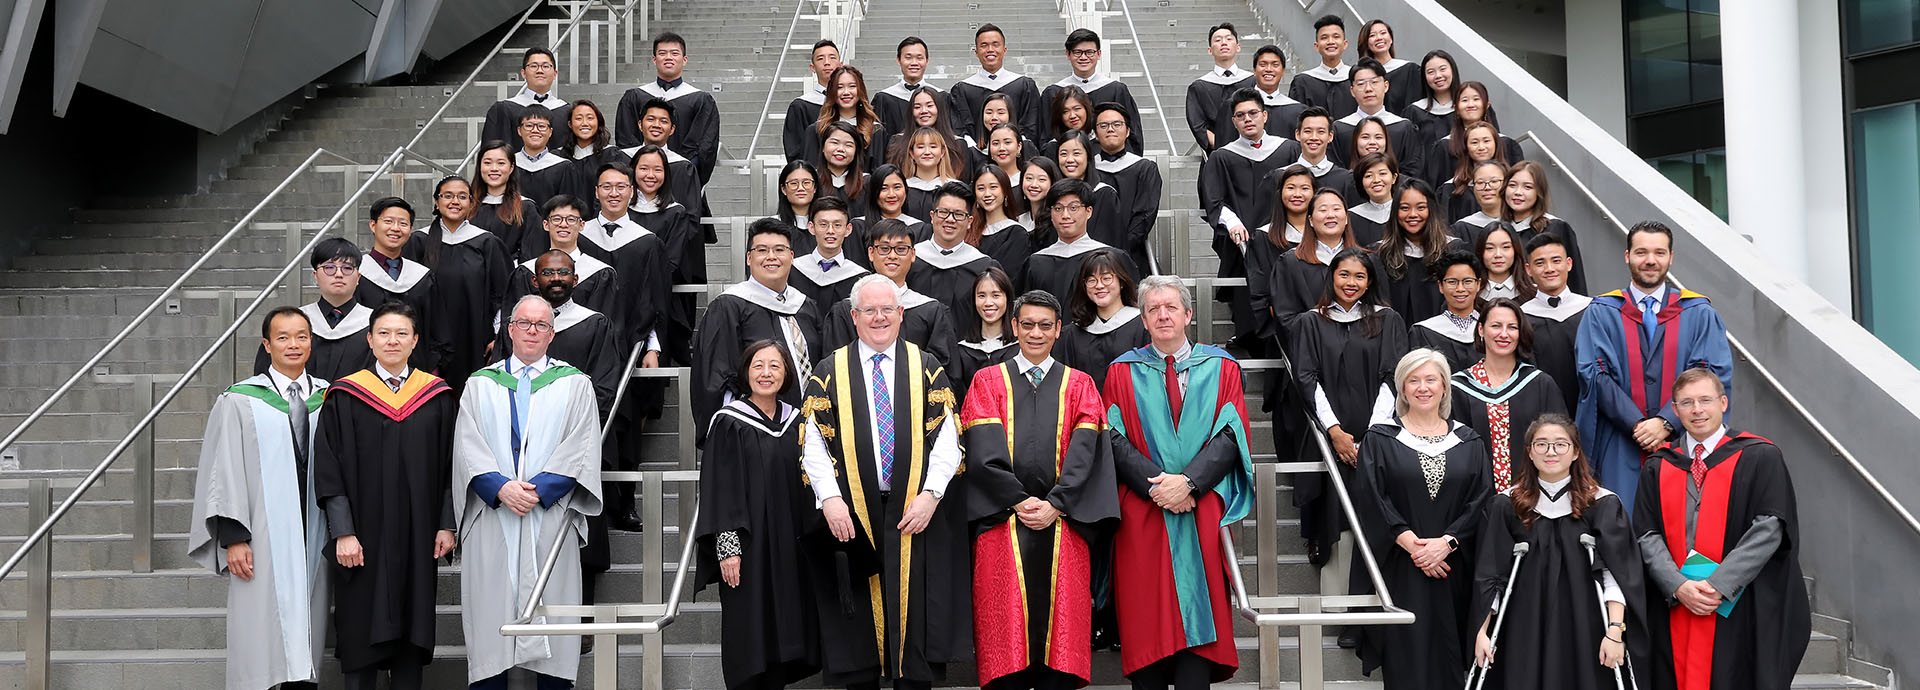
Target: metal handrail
(1833, 441)
(404, 152)
(773, 85)
(161, 299)
(1146, 69)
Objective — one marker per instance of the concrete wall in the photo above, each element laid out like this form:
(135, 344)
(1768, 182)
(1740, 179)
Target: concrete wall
(1857, 549)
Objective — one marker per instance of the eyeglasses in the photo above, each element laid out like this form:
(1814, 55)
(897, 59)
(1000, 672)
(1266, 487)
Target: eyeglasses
(555, 272)
(1110, 126)
(1036, 325)
(538, 66)
(1247, 114)
(1487, 184)
(830, 224)
(951, 214)
(454, 196)
(1693, 403)
(892, 249)
(888, 310)
(1102, 279)
(799, 184)
(564, 221)
(532, 326)
(1459, 282)
(1552, 447)
(1085, 52)
(614, 186)
(1071, 207)
(1369, 82)
(337, 269)
(763, 250)
(536, 127)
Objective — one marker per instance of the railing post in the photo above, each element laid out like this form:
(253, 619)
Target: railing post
(606, 663)
(685, 492)
(296, 241)
(1267, 567)
(1203, 305)
(38, 642)
(653, 573)
(1312, 675)
(143, 481)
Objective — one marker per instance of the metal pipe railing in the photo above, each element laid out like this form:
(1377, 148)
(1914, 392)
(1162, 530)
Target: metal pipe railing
(1146, 69)
(1832, 440)
(773, 85)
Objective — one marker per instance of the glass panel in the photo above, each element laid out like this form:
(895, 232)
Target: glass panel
(1877, 24)
(1703, 43)
(1886, 199)
(1657, 55)
(1702, 174)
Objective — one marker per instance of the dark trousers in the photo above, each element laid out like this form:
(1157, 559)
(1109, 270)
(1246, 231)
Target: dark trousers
(898, 684)
(1184, 670)
(1035, 677)
(544, 682)
(297, 685)
(405, 675)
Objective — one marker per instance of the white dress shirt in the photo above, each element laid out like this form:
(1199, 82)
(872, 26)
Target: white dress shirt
(942, 460)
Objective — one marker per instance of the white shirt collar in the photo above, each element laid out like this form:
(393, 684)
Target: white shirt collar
(1341, 314)
(1326, 251)
(1120, 318)
(1046, 365)
(526, 97)
(1502, 288)
(405, 372)
(1325, 166)
(867, 353)
(1570, 303)
(538, 366)
(280, 381)
(1659, 295)
(1711, 442)
(1186, 348)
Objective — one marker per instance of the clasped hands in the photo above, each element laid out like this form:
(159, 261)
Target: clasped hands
(1429, 555)
(1699, 597)
(1172, 492)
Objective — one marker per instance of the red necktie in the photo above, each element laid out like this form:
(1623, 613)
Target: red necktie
(1173, 391)
(1699, 469)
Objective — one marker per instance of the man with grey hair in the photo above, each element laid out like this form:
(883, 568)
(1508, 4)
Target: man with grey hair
(1179, 422)
(526, 462)
(880, 450)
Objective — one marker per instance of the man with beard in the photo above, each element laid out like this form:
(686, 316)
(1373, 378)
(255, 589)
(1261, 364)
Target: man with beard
(594, 280)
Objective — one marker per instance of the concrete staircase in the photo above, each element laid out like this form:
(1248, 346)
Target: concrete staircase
(166, 629)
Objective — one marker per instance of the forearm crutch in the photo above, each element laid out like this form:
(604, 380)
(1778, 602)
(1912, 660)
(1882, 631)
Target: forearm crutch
(1619, 682)
(1493, 642)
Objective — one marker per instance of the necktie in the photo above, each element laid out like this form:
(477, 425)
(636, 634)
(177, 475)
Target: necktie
(1034, 374)
(827, 265)
(393, 268)
(522, 401)
(297, 417)
(1226, 73)
(1649, 316)
(611, 228)
(1173, 391)
(1699, 468)
(883, 417)
(801, 360)
(393, 382)
(334, 315)
(1553, 301)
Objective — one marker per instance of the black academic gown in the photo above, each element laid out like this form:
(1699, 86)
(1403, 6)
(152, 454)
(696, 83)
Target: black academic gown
(414, 286)
(920, 194)
(1007, 242)
(1551, 637)
(926, 323)
(1556, 324)
(1231, 179)
(1439, 161)
(1329, 176)
(1263, 257)
(1283, 115)
(1402, 136)
(515, 235)
(768, 626)
(502, 122)
(745, 313)
(469, 287)
(1369, 221)
(1207, 104)
(829, 285)
(1526, 395)
(969, 96)
(894, 105)
(1093, 347)
(543, 177)
(855, 207)
(395, 475)
(1338, 359)
(1433, 123)
(1468, 221)
(1438, 333)
(596, 285)
(1136, 182)
(1760, 642)
(949, 278)
(1414, 294)
(1433, 652)
(973, 355)
(797, 138)
(1328, 88)
(1056, 269)
(1577, 278)
(855, 247)
(1406, 82)
(640, 261)
(337, 349)
(1103, 89)
(696, 122)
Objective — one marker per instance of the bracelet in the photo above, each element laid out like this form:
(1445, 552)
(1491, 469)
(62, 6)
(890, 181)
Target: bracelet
(1613, 640)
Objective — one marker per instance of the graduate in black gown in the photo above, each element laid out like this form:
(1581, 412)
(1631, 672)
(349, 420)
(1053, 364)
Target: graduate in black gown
(765, 306)
(1423, 487)
(1525, 209)
(1343, 352)
(1070, 204)
(1292, 206)
(696, 119)
(1414, 239)
(471, 268)
(1499, 248)
(587, 141)
(1438, 88)
(799, 185)
(798, 138)
(1473, 106)
(945, 266)
(339, 321)
(1502, 394)
(928, 109)
(1283, 113)
(382, 459)
(930, 161)
(503, 211)
(966, 97)
(1111, 217)
(1370, 91)
(1135, 180)
(999, 142)
(1325, 85)
(1083, 56)
(1314, 139)
(1376, 43)
(887, 193)
(843, 166)
(1459, 276)
(1104, 317)
(988, 340)
(1554, 635)
(657, 130)
(1299, 276)
(1476, 206)
(1068, 110)
(1232, 197)
(386, 275)
(542, 171)
(846, 103)
(894, 103)
(995, 230)
(1208, 114)
(538, 70)
(654, 207)
(1373, 210)
(826, 274)
(924, 321)
(1037, 176)
(1555, 312)
(596, 284)
(751, 510)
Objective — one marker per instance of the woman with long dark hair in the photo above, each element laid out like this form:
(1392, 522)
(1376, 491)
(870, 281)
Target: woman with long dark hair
(502, 210)
(997, 111)
(1070, 111)
(1403, 77)
(1440, 87)
(929, 109)
(847, 102)
(1375, 175)
(1500, 395)
(1105, 315)
(470, 270)
(1412, 242)
(1037, 176)
(1472, 105)
(1076, 154)
(988, 338)
(748, 537)
(1499, 246)
(1005, 150)
(1525, 207)
(1554, 636)
(843, 166)
(996, 231)
(1300, 274)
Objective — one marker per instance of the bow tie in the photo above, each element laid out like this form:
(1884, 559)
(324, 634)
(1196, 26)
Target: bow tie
(828, 265)
(993, 76)
(946, 252)
(1226, 73)
(1256, 144)
(1553, 301)
(540, 98)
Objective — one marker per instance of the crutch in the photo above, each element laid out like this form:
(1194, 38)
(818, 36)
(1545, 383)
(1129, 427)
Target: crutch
(1619, 682)
(1519, 551)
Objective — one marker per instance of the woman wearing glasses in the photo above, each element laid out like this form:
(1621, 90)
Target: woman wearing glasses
(1459, 274)
(1501, 395)
(1478, 185)
(470, 271)
(1554, 636)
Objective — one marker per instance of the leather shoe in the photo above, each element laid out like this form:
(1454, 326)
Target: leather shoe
(586, 645)
(625, 522)
(1349, 637)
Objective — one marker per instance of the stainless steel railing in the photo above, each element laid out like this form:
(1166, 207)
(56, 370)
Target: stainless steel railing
(773, 85)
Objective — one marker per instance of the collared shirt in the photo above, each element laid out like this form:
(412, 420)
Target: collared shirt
(390, 264)
(942, 460)
(1321, 168)
(1325, 252)
(538, 366)
(536, 96)
(666, 85)
(1659, 296)
(281, 381)
(1502, 288)
(536, 156)
(1027, 365)
(1180, 355)
(385, 376)
(334, 313)
(1711, 442)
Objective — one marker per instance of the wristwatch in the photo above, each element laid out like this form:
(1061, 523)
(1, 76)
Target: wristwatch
(937, 495)
(1621, 625)
(1452, 543)
(1192, 488)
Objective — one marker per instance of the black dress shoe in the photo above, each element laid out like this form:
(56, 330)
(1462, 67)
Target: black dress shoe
(1349, 637)
(586, 645)
(625, 522)
(1105, 638)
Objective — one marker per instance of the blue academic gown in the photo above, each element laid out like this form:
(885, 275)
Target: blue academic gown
(1627, 376)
